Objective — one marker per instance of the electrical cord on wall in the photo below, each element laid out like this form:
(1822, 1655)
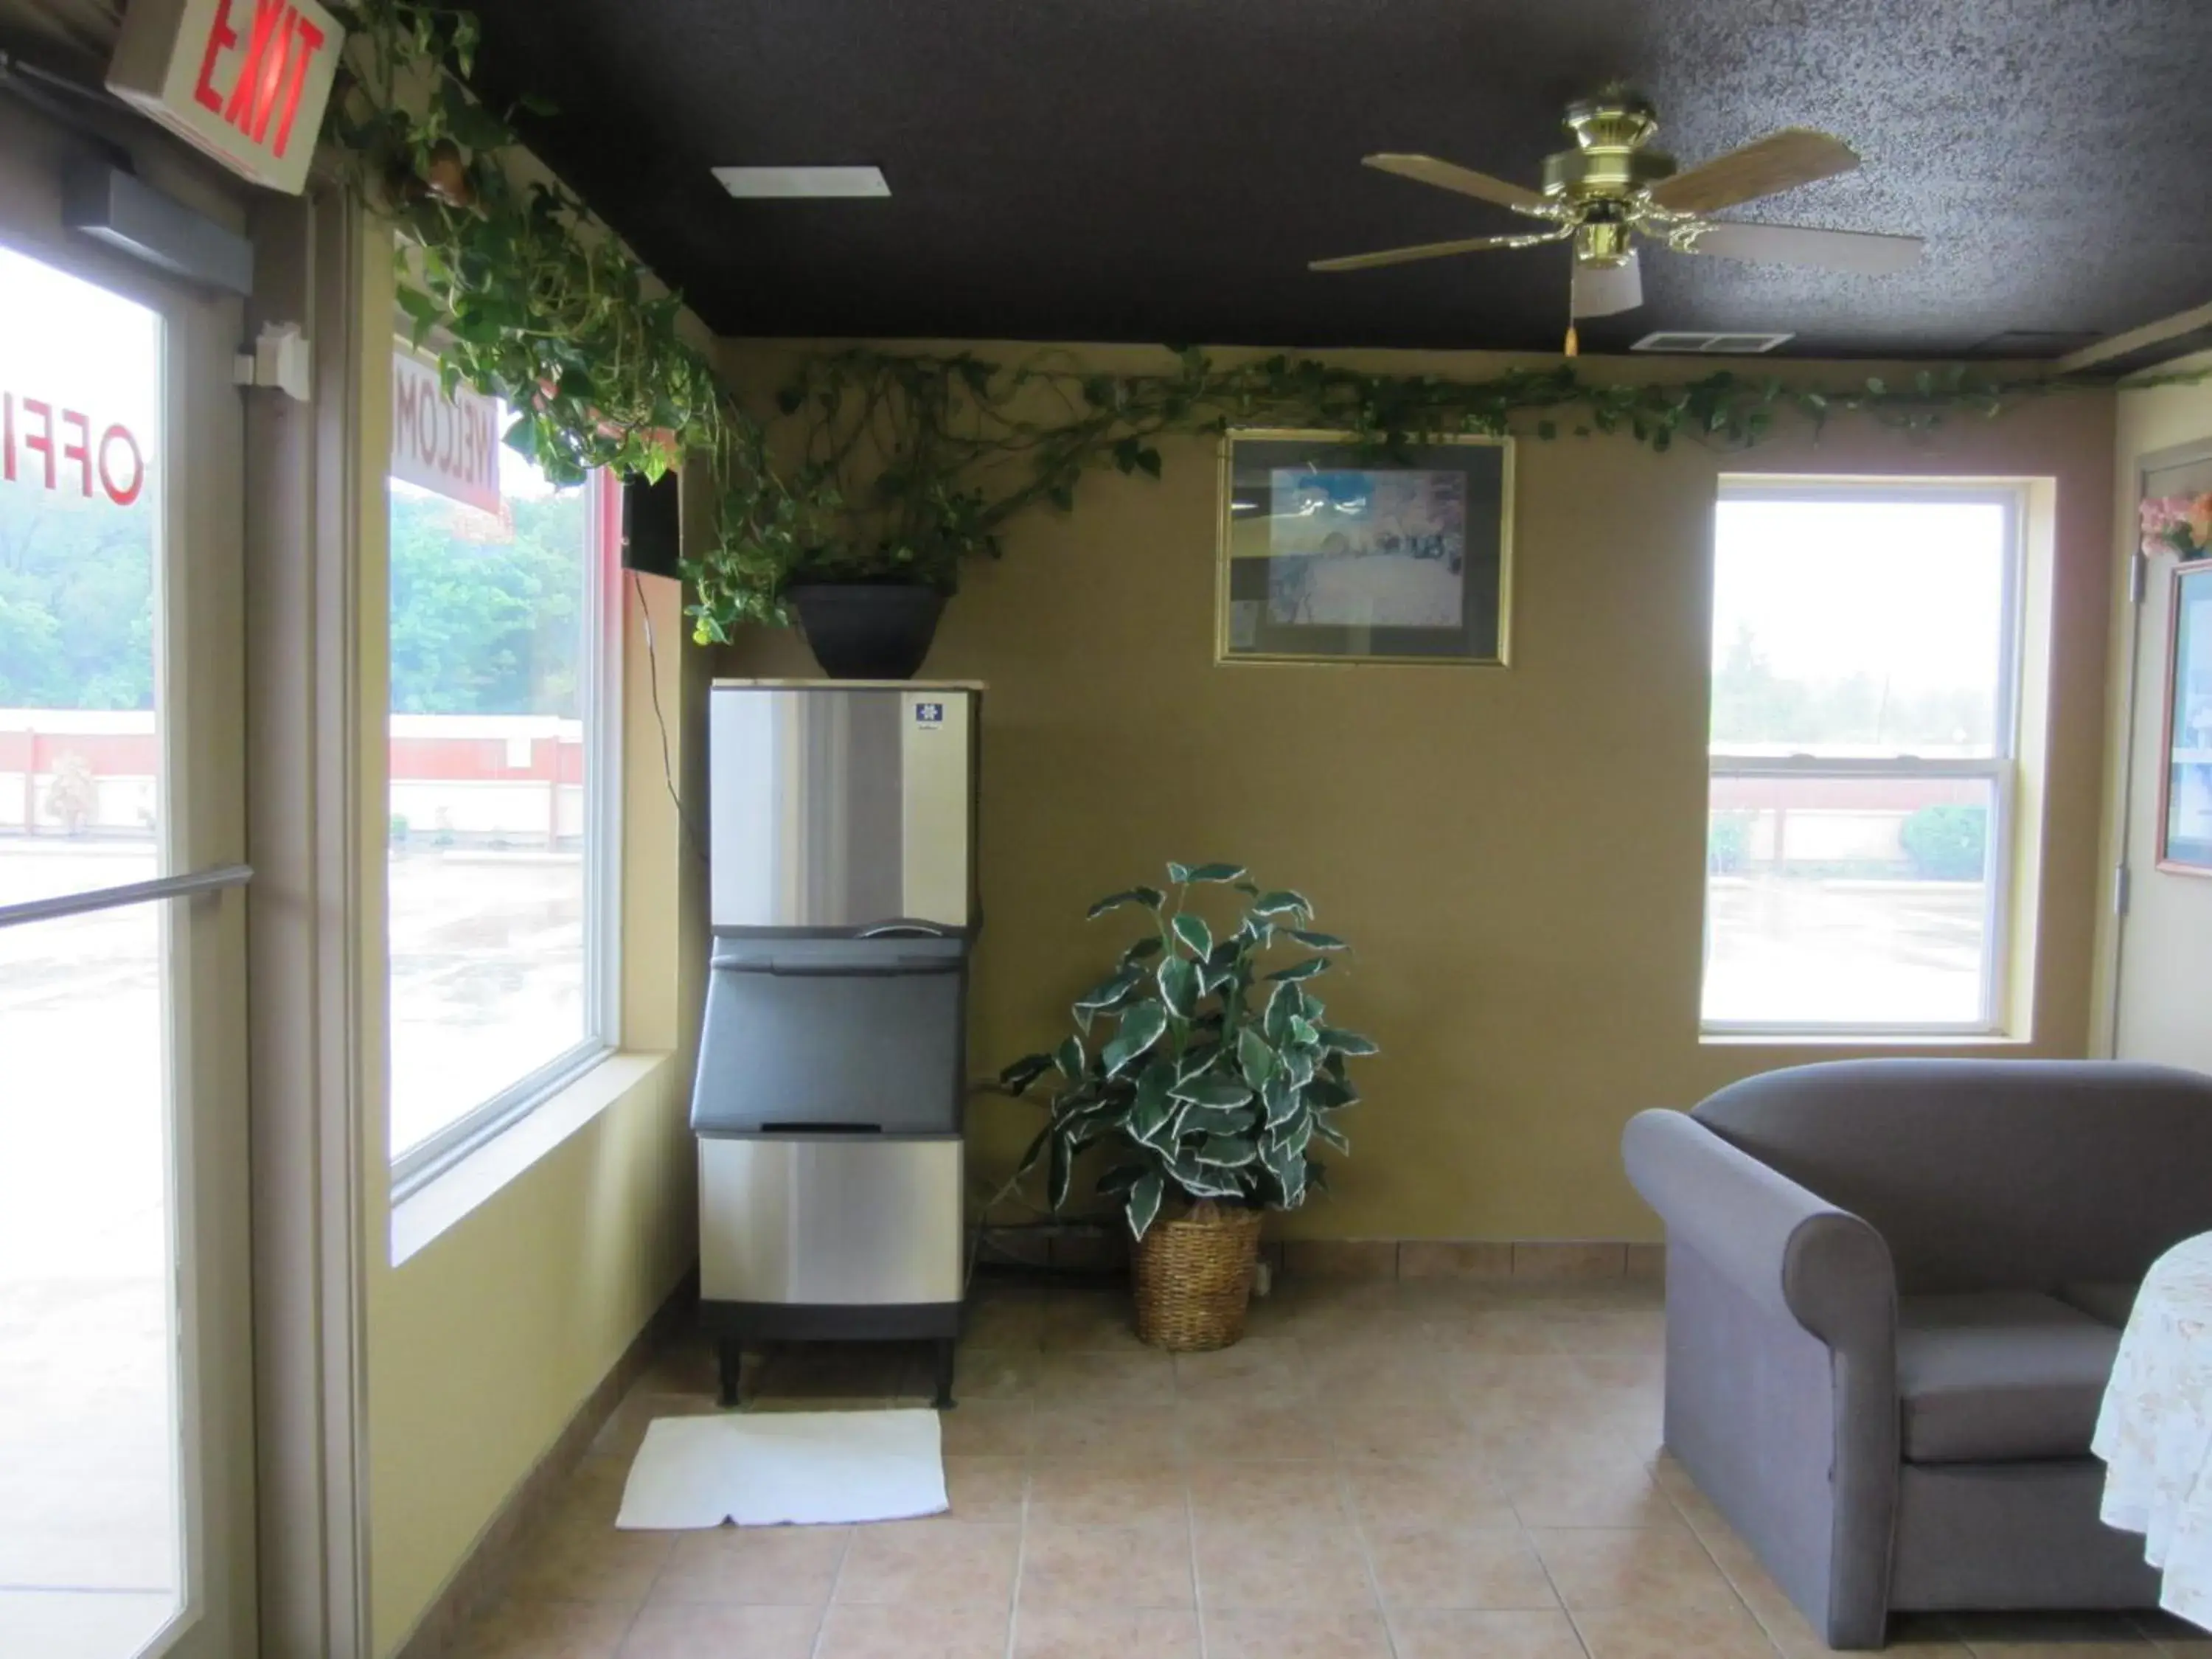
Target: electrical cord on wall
(660, 720)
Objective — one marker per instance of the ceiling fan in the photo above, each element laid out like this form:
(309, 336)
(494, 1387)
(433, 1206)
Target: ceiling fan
(1611, 189)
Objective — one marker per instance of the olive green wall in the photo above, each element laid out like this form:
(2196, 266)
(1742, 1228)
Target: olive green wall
(1517, 854)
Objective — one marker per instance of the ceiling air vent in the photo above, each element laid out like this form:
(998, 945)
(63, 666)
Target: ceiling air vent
(1732, 345)
(800, 183)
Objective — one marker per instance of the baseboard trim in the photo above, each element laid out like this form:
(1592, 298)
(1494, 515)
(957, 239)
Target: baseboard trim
(1544, 1260)
(477, 1581)
(1105, 1250)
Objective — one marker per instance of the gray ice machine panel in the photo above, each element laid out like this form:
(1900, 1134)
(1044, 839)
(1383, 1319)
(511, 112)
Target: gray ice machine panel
(835, 806)
(832, 1035)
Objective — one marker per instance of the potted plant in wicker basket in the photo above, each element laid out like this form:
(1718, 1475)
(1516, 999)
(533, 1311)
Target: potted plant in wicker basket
(1218, 1076)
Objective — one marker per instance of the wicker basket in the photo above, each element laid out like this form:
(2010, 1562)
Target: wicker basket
(1193, 1278)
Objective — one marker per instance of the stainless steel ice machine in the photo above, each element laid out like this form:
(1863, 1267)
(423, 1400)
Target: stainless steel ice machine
(828, 1101)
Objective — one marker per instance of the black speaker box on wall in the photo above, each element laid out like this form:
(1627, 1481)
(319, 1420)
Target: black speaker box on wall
(652, 521)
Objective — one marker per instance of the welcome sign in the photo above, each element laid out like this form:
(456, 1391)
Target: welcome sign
(449, 445)
(246, 80)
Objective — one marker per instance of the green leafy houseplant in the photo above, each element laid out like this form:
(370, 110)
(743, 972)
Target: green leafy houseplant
(1219, 1075)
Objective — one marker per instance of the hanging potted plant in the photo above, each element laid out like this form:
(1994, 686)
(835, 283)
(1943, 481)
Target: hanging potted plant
(868, 566)
(1219, 1075)
(869, 614)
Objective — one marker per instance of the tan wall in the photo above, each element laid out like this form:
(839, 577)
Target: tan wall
(482, 1346)
(2167, 937)
(1517, 854)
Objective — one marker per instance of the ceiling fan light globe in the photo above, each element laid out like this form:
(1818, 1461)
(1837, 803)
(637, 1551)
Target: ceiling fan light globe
(1606, 288)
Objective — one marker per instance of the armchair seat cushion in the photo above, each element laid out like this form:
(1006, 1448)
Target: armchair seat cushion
(2111, 1300)
(1999, 1377)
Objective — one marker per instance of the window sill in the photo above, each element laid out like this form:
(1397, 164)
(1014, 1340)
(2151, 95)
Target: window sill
(447, 1198)
(1918, 1042)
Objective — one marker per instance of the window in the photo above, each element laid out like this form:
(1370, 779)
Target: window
(501, 918)
(1865, 676)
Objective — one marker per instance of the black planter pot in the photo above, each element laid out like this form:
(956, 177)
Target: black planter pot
(867, 631)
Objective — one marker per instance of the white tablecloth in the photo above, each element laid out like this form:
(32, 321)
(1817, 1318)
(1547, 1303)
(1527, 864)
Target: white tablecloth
(2155, 1431)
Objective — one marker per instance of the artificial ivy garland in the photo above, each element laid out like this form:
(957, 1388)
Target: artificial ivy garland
(536, 304)
(898, 467)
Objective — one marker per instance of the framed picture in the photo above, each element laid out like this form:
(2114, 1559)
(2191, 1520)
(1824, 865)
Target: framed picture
(1331, 554)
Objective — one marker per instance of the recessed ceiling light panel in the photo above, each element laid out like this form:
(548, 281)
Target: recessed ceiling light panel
(801, 183)
(1729, 345)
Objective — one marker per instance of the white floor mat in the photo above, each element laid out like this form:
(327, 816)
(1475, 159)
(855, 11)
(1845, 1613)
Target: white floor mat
(771, 1469)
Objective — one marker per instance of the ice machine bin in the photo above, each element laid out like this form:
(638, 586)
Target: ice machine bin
(828, 1112)
(852, 1035)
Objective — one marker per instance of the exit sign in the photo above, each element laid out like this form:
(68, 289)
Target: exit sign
(244, 79)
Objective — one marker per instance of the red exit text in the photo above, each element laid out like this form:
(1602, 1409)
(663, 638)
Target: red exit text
(271, 59)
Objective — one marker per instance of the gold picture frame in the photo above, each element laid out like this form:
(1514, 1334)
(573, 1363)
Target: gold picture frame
(1329, 552)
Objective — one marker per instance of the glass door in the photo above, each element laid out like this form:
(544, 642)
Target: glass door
(127, 1464)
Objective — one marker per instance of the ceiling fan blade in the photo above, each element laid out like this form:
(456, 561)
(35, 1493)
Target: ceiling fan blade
(1599, 290)
(1857, 250)
(1427, 170)
(1795, 155)
(1399, 256)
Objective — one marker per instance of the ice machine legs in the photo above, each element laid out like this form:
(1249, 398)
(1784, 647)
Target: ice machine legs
(731, 1325)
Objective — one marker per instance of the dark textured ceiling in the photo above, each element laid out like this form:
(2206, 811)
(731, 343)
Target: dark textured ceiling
(1162, 169)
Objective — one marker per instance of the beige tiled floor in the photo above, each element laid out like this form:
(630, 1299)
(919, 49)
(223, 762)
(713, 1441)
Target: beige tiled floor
(1429, 1469)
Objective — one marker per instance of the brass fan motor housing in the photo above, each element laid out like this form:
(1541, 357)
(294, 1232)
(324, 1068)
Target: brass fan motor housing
(1610, 161)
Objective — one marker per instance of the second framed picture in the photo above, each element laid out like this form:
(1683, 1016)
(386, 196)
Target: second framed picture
(2174, 507)
(1331, 553)
(2184, 826)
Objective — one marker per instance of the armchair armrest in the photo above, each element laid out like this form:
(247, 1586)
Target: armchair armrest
(1791, 1252)
(1781, 1367)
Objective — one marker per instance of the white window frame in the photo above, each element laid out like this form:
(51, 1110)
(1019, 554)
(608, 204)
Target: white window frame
(424, 1162)
(2001, 768)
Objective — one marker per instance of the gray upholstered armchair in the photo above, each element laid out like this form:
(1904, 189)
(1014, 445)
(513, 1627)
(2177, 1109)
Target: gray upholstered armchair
(1894, 1292)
